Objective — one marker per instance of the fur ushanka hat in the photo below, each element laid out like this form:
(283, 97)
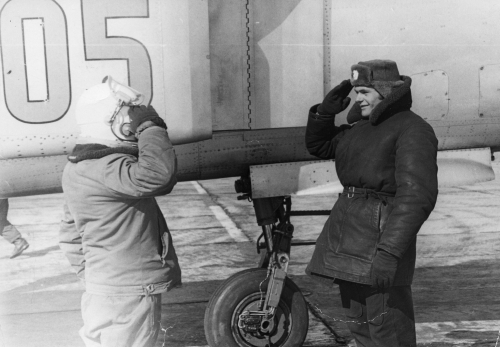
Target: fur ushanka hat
(381, 75)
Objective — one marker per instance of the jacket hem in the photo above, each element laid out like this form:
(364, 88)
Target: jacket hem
(144, 289)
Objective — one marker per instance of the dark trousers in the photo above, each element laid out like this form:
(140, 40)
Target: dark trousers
(379, 317)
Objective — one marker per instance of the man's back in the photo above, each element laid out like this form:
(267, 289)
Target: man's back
(112, 202)
(113, 232)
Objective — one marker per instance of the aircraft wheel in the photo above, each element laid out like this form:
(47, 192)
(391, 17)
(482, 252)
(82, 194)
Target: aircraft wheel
(243, 292)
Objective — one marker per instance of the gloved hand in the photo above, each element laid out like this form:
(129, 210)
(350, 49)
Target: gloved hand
(336, 100)
(140, 116)
(383, 269)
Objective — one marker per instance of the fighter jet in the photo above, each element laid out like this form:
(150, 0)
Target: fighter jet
(234, 81)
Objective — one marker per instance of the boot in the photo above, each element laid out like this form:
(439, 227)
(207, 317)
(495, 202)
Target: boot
(20, 245)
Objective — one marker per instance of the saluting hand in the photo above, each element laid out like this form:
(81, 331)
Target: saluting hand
(336, 100)
(141, 115)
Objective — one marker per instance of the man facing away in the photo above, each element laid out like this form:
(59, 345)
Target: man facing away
(113, 232)
(386, 160)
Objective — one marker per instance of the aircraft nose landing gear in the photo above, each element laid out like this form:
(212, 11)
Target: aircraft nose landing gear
(261, 307)
(234, 315)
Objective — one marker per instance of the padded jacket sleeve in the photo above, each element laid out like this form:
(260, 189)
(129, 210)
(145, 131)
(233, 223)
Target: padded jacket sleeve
(322, 136)
(152, 174)
(417, 187)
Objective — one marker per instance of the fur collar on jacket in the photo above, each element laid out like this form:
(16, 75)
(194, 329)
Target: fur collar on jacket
(399, 100)
(96, 151)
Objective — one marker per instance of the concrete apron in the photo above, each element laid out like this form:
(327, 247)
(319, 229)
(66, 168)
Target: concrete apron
(456, 285)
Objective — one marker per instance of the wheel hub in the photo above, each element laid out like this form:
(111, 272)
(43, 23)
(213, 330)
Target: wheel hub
(254, 329)
(256, 322)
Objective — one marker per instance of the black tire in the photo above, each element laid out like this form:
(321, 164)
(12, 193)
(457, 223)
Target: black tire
(241, 292)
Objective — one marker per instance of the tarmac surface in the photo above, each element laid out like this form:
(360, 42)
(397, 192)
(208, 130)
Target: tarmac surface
(456, 286)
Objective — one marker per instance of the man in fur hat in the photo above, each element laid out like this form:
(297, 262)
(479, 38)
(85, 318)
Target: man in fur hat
(386, 160)
(113, 232)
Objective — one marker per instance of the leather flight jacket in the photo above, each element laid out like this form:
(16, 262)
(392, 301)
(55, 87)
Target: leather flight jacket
(390, 160)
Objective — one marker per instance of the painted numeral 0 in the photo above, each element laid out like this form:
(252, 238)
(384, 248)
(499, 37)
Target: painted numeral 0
(34, 41)
(100, 46)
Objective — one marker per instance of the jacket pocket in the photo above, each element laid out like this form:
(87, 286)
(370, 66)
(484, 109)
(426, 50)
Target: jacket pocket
(385, 211)
(360, 228)
(165, 242)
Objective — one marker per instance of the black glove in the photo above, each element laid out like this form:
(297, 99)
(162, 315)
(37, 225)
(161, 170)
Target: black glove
(383, 269)
(336, 100)
(141, 114)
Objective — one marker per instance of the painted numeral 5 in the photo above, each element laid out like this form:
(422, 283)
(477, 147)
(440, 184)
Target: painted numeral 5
(100, 46)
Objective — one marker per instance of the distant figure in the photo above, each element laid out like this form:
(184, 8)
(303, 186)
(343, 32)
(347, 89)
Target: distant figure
(113, 233)
(386, 160)
(9, 232)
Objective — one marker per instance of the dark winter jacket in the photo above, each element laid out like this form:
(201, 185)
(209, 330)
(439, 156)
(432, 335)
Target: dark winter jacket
(113, 232)
(393, 155)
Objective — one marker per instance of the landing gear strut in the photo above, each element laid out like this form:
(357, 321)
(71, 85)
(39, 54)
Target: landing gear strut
(261, 307)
